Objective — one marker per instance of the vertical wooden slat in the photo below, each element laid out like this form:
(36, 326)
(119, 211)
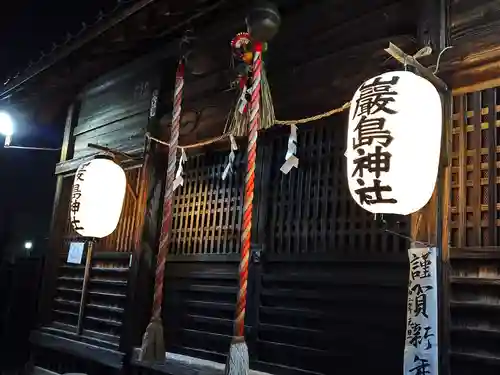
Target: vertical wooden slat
(204, 207)
(306, 200)
(317, 223)
(228, 204)
(222, 210)
(190, 182)
(299, 219)
(462, 193)
(239, 207)
(275, 207)
(325, 230)
(335, 196)
(219, 206)
(200, 210)
(194, 183)
(282, 208)
(127, 225)
(477, 187)
(177, 210)
(207, 230)
(492, 166)
(178, 220)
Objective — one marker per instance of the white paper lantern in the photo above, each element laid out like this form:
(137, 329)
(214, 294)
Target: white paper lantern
(97, 197)
(393, 143)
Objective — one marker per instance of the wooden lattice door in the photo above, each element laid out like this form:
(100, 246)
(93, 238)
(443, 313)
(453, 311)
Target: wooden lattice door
(474, 233)
(202, 264)
(332, 281)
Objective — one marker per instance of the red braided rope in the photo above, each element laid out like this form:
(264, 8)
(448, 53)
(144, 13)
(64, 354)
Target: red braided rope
(253, 127)
(169, 193)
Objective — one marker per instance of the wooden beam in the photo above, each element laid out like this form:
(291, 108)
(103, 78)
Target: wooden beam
(404, 58)
(433, 24)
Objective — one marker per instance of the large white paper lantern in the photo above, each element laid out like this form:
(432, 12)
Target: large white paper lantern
(97, 197)
(393, 143)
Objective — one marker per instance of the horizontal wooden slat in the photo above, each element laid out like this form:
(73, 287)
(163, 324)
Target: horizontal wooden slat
(67, 302)
(478, 357)
(105, 308)
(204, 288)
(108, 282)
(475, 281)
(71, 290)
(102, 336)
(475, 253)
(475, 305)
(477, 331)
(106, 294)
(68, 313)
(114, 323)
(110, 270)
(210, 305)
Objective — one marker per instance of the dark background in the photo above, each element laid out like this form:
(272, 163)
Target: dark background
(27, 177)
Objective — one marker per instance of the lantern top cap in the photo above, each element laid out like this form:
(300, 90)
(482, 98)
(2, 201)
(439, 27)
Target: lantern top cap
(104, 156)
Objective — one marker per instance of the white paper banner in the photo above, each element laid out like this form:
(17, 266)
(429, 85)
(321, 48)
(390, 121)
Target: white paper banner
(232, 156)
(291, 161)
(179, 180)
(421, 345)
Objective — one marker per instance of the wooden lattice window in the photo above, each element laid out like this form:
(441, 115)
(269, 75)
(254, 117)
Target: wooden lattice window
(310, 210)
(207, 209)
(474, 173)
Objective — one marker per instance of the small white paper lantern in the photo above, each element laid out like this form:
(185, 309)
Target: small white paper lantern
(97, 197)
(393, 143)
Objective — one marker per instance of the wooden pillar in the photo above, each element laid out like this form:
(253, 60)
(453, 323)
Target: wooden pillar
(431, 224)
(49, 273)
(149, 208)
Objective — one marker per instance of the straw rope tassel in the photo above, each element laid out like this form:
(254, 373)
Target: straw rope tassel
(153, 348)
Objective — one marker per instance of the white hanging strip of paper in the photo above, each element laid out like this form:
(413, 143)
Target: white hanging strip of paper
(242, 102)
(179, 180)
(421, 346)
(232, 156)
(291, 161)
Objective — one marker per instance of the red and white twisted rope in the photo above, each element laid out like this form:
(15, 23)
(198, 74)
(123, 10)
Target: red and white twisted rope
(253, 127)
(169, 192)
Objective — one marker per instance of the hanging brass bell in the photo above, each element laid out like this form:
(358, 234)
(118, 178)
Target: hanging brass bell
(263, 22)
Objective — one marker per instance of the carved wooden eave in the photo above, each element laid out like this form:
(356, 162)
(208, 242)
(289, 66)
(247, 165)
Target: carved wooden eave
(111, 41)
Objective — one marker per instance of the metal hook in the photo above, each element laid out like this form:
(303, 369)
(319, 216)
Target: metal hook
(439, 58)
(412, 240)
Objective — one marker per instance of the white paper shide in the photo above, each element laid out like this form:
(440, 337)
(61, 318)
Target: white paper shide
(393, 143)
(421, 348)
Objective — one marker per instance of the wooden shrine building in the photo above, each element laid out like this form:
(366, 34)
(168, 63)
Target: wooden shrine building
(327, 281)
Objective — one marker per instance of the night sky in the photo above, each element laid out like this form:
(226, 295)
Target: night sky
(27, 177)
